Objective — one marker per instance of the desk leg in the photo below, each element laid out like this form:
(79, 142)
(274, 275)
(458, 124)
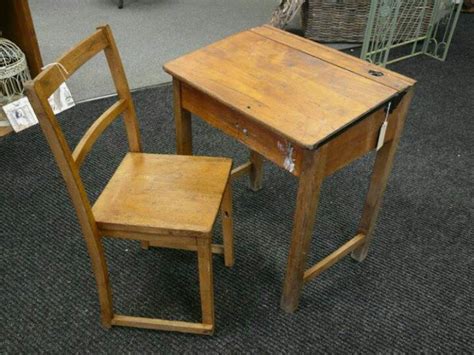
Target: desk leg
(182, 117)
(256, 171)
(311, 178)
(380, 174)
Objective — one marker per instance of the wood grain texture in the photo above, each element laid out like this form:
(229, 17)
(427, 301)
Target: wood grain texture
(162, 324)
(296, 95)
(5, 131)
(380, 174)
(308, 108)
(121, 85)
(171, 201)
(206, 288)
(160, 193)
(228, 226)
(333, 258)
(98, 127)
(182, 118)
(345, 61)
(307, 200)
(241, 170)
(72, 60)
(256, 171)
(172, 238)
(356, 141)
(258, 138)
(70, 173)
(215, 248)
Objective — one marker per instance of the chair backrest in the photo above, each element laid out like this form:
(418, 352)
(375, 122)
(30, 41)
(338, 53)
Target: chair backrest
(46, 83)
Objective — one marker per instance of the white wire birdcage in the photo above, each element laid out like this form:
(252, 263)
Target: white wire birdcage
(13, 71)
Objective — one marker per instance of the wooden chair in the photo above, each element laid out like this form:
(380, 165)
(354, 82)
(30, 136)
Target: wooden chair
(161, 200)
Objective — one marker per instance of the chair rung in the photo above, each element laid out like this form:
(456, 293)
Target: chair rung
(334, 257)
(162, 324)
(216, 248)
(241, 170)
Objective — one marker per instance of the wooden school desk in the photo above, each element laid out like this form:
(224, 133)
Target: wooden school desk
(309, 109)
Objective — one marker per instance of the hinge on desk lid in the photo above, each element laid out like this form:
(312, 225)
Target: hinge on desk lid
(393, 103)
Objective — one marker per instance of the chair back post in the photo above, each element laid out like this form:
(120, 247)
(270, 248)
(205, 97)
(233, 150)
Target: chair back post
(121, 85)
(63, 157)
(70, 173)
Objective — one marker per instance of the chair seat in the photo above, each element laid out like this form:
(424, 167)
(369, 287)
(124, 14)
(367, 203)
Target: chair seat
(163, 194)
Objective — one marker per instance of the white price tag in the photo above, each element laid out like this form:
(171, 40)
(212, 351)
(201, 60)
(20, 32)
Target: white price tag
(20, 114)
(61, 99)
(382, 131)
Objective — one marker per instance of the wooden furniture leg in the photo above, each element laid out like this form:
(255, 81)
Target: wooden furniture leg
(99, 265)
(380, 174)
(256, 171)
(184, 139)
(227, 226)
(310, 182)
(205, 281)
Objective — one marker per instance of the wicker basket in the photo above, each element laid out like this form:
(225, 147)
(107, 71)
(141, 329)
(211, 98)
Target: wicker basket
(335, 20)
(345, 20)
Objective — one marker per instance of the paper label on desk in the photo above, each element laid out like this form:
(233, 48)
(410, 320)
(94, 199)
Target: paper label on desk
(20, 114)
(61, 99)
(381, 139)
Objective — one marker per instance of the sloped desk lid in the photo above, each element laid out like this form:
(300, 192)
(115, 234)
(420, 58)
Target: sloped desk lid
(302, 90)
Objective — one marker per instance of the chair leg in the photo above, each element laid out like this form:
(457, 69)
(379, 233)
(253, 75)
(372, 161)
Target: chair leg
(206, 286)
(227, 226)
(256, 171)
(206, 327)
(145, 245)
(99, 266)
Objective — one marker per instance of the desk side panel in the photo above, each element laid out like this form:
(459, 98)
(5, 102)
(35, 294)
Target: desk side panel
(357, 140)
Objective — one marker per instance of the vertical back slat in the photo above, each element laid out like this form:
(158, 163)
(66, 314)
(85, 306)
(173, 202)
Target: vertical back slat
(121, 85)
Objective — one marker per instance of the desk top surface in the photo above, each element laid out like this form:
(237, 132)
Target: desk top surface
(300, 89)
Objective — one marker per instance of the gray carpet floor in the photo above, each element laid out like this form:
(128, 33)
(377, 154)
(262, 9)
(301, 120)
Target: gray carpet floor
(414, 292)
(148, 33)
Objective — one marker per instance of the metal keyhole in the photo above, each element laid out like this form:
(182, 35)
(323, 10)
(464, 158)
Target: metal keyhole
(375, 72)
